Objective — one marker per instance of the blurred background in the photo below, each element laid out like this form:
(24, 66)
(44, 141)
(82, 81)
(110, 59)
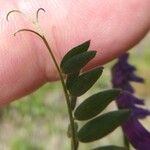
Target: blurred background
(39, 121)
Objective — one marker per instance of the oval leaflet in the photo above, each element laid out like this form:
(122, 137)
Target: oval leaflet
(95, 104)
(102, 125)
(85, 81)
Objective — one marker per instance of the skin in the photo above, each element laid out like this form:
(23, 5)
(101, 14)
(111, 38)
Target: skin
(113, 26)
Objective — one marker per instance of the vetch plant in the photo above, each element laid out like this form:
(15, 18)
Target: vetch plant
(75, 83)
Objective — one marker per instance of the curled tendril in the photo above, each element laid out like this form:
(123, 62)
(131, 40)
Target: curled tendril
(37, 13)
(18, 11)
(28, 30)
(13, 11)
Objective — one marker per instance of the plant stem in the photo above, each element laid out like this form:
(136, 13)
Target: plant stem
(74, 145)
(126, 142)
(72, 125)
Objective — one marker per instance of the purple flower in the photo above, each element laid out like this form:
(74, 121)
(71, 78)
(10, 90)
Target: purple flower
(128, 101)
(137, 134)
(122, 75)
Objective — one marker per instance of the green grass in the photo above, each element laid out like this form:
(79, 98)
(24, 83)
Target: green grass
(24, 144)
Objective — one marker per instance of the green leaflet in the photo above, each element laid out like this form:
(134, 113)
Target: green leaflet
(85, 81)
(71, 78)
(75, 51)
(77, 62)
(111, 147)
(102, 125)
(95, 104)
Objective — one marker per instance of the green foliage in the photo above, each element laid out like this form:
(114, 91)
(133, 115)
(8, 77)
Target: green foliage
(85, 81)
(112, 147)
(77, 58)
(75, 51)
(77, 84)
(71, 78)
(95, 104)
(77, 62)
(102, 125)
